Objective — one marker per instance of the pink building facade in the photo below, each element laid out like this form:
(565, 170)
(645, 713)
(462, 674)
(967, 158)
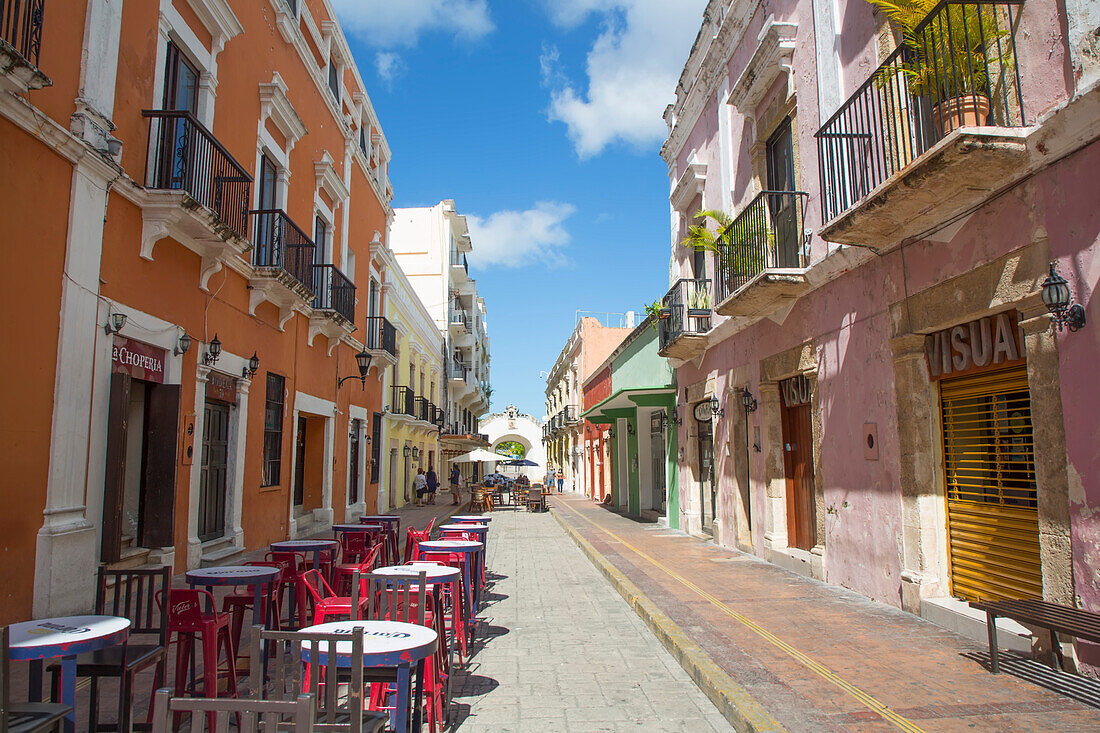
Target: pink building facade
(871, 389)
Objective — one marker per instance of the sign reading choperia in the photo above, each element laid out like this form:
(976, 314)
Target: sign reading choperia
(988, 343)
(140, 361)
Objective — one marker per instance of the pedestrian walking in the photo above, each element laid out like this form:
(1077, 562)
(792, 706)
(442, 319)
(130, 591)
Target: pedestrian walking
(456, 485)
(561, 480)
(420, 484)
(433, 483)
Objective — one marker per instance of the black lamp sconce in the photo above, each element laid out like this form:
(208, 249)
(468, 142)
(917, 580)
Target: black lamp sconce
(115, 323)
(630, 428)
(213, 351)
(182, 345)
(1056, 297)
(716, 407)
(406, 451)
(253, 365)
(362, 361)
(747, 400)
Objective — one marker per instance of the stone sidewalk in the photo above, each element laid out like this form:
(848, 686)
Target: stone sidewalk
(812, 656)
(559, 650)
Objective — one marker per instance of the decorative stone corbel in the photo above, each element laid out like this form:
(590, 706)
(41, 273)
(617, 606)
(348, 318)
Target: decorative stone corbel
(152, 231)
(210, 266)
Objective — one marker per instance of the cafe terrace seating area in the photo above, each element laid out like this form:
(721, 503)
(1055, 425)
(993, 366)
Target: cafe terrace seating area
(362, 630)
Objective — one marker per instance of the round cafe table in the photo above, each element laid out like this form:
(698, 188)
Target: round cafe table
(386, 644)
(470, 519)
(257, 577)
(63, 637)
(393, 529)
(472, 568)
(438, 575)
(314, 546)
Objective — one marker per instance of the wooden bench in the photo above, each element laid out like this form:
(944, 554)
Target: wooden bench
(1056, 619)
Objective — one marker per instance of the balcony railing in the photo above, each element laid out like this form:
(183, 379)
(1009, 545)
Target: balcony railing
(456, 370)
(570, 415)
(959, 68)
(768, 234)
(21, 27)
(688, 305)
(280, 243)
(403, 401)
(458, 316)
(185, 156)
(380, 335)
(422, 409)
(458, 259)
(334, 291)
(439, 416)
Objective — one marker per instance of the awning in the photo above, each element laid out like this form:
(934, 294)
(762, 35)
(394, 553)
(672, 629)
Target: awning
(631, 399)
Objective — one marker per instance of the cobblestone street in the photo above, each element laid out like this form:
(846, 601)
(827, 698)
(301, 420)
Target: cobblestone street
(561, 651)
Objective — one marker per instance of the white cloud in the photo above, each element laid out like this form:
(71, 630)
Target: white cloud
(391, 23)
(388, 65)
(631, 70)
(520, 238)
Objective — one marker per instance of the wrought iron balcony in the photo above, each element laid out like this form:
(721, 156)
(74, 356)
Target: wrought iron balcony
(185, 156)
(456, 370)
(402, 401)
(335, 292)
(685, 319)
(280, 244)
(570, 415)
(380, 335)
(762, 255)
(458, 259)
(21, 35)
(422, 409)
(958, 71)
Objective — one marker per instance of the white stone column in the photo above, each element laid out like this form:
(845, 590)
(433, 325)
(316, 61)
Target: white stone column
(65, 553)
(194, 544)
(236, 502)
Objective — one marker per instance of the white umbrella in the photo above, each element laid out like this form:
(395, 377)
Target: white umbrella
(478, 456)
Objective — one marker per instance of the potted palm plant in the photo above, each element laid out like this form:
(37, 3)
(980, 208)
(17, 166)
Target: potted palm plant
(698, 299)
(948, 60)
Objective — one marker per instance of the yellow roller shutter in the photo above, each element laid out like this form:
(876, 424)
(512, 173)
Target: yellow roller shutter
(992, 504)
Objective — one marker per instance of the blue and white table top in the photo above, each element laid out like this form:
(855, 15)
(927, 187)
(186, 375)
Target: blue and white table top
(232, 575)
(66, 636)
(385, 643)
(304, 545)
(434, 573)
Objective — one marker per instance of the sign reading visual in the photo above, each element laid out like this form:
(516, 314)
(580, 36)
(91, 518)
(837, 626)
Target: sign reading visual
(988, 343)
(796, 391)
(140, 361)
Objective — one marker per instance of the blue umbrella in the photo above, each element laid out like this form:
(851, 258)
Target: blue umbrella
(518, 462)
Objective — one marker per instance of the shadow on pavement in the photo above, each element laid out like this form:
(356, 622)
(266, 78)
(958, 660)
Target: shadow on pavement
(1084, 690)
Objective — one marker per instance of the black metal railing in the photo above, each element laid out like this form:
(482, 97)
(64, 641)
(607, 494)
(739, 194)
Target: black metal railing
(958, 68)
(686, 308)
(281, 243)
(570, 415)
(185, 156)
(422, 409)
(21, 27)
(769, 233)
(334, 291)
(457, 370)
(380, 335)
(458, 316)
(458, 259)
(403, 401)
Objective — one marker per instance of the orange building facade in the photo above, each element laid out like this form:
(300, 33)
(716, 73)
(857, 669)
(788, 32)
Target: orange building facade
(213, 171)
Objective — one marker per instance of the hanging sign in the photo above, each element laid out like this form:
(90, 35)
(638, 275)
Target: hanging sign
(796, 391)
(979, 346)
(140, 361)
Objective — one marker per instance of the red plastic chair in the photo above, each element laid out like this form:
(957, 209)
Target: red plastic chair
(187, 620)
(344, 573)
(243, 599)
(413, 540)
(294, 564)
(326, 603)
(456, 600)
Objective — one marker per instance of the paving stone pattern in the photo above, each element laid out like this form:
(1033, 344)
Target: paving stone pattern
(560, 650)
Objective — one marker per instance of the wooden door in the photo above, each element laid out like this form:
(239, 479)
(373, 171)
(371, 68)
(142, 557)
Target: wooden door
(707, 498)
(215, 469)
(353, 461)
(798, 468)
(657, 456)
(114, 483)
(158, 488)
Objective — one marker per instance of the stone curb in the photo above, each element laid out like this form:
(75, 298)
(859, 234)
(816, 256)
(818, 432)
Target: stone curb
(735, 704)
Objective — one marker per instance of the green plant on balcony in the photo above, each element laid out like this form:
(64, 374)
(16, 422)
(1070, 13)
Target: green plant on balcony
(698, 299)
(740, 249)
(948, 62)
(655, 312)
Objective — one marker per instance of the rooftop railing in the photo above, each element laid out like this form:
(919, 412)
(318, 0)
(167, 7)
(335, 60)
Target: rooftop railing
(958, 68)
(334, 291)
(185, 156)
(769, 233)
(280, 243)
(688, 304)
(21, 27)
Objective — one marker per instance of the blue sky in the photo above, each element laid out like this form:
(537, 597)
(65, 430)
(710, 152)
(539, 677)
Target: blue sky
(542, 120)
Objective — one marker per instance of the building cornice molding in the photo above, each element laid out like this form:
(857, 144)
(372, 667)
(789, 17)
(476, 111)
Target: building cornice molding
(690, 184)
(772, 57)
(275, 104)
(329, 180)
(219, 20)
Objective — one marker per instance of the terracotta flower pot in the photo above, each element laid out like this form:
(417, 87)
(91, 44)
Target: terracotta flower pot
(970, 109)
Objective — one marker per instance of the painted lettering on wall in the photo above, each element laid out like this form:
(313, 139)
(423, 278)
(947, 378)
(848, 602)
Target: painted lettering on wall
(796, 391)
(987, 343)
(140, 361)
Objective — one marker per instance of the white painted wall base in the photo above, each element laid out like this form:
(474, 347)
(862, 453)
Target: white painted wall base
(65, 567)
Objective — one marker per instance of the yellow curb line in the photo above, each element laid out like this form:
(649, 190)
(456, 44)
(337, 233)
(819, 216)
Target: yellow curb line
(733, 702)
(882, 710)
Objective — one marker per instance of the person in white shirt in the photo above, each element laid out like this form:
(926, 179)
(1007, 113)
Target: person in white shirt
(420, 483)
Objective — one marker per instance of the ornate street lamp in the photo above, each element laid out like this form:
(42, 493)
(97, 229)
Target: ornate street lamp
(213, 351)
(114, 324)
(183, 345)
(747, 400)
(253, 365)
(1056, 297)
(362, 361)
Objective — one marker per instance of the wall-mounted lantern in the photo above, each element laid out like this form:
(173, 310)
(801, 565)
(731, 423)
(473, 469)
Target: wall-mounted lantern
(115, 323)
(747, 400)
(362, 362)
(253, 365)
(182, 345)
(213, 351)
(1056, 297)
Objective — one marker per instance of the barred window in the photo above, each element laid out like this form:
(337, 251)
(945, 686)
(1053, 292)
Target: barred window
(273, 429)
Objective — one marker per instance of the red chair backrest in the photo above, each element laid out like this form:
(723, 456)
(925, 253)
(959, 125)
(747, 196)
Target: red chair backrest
(353, 545)
(185, 613)
(430, 527)
(457, 534)
(317, 586)
(291, 562)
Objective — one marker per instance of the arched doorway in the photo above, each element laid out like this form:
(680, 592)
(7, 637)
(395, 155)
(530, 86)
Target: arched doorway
(510, 447)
